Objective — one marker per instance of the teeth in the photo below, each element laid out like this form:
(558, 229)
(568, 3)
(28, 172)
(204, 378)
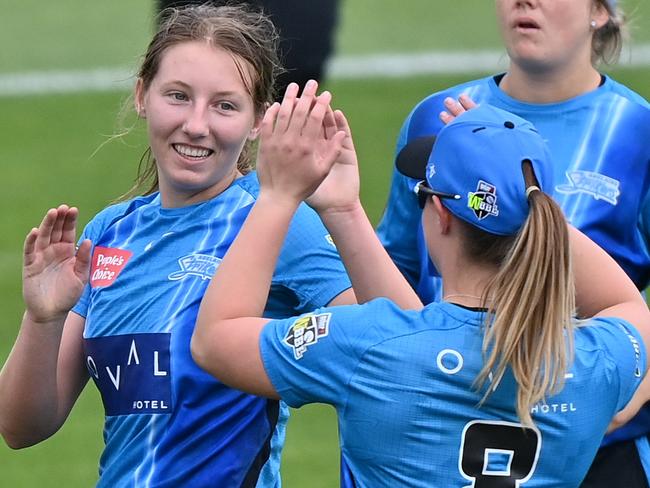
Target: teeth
(193, 152)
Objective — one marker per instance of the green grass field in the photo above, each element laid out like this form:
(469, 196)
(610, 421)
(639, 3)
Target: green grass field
(53, 152)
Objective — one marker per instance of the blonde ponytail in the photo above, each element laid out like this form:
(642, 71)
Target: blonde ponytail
(532, 299)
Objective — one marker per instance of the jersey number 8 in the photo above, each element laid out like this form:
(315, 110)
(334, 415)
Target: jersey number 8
(498, 454)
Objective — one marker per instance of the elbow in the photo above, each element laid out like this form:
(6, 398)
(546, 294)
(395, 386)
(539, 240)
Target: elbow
(198, 342)
(16, 444)
(16, 441)
(207, 351)
(198, 349)
(19, 433)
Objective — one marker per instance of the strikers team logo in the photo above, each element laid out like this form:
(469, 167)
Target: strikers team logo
(306, 331)
(202, 265)
(107, 264)
(484, 200)
(599, 186)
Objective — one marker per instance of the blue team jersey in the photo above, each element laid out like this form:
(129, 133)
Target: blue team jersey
(169, 423)
(402, 383)
(600, 142)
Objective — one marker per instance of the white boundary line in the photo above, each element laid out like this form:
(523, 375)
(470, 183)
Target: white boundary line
(341, 67)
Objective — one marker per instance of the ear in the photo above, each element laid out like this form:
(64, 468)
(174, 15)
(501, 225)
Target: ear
(138, 98)
(444, 216)
(257, 124)
(599, 15)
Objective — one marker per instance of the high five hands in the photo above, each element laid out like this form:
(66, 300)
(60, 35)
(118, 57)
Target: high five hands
(306, 151)
(54, 272)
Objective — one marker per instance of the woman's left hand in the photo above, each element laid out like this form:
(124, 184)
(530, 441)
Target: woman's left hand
(339, 191)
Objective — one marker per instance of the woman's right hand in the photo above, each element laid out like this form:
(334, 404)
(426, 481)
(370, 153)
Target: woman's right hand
(54, 271)
(339, 191)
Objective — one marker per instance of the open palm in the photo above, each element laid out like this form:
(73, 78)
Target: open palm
(340, 189)
(54, 272)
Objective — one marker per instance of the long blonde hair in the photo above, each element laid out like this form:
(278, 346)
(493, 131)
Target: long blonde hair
(531, 301)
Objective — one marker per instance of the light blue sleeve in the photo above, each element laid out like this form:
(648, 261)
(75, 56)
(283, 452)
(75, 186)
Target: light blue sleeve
(644, 220)
(93, 231)
(309, 266)
(398, 228)
(311, 358)
(626, 349)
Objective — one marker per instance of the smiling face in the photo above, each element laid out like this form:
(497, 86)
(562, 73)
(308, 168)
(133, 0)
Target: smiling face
(549, 34)
(199, 116)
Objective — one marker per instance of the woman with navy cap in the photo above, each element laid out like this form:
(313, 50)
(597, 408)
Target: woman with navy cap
(498, 385)
(597, 130)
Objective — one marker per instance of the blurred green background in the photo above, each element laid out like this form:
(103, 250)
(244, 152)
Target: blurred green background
(57, 148)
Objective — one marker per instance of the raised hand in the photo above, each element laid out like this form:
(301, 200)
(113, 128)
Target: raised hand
(339, 191)
(54, 273)
(295, 153)
(456, 107)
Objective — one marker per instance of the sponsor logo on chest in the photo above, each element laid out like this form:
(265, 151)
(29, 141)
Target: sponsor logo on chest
(132, 372)
(107, 264)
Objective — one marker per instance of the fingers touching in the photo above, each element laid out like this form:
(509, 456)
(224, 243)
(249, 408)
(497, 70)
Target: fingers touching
(58, 226)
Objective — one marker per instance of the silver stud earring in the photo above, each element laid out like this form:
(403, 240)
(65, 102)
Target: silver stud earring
(593, 24)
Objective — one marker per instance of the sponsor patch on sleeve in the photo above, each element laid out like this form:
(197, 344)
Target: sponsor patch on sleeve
(329, 240)
(637, 351)
(306, 331)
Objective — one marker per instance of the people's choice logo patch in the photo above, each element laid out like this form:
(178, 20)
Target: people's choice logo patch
(306, 331)
(107, 264)
(484, 200)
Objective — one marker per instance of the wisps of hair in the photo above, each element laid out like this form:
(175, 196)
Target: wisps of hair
(245, 32)
(607, 41)
(529, 327)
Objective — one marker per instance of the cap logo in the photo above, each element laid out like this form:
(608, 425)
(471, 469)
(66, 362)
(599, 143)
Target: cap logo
(483, 201)
(431, 171)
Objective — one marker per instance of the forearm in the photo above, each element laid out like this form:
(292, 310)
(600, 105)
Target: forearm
(372, 272)
(240, 287)
(603, 288)
(640, 398)
(601, 285)
(28, 384)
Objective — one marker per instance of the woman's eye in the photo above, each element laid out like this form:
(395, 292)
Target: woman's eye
(226, 106)
(179, 96)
